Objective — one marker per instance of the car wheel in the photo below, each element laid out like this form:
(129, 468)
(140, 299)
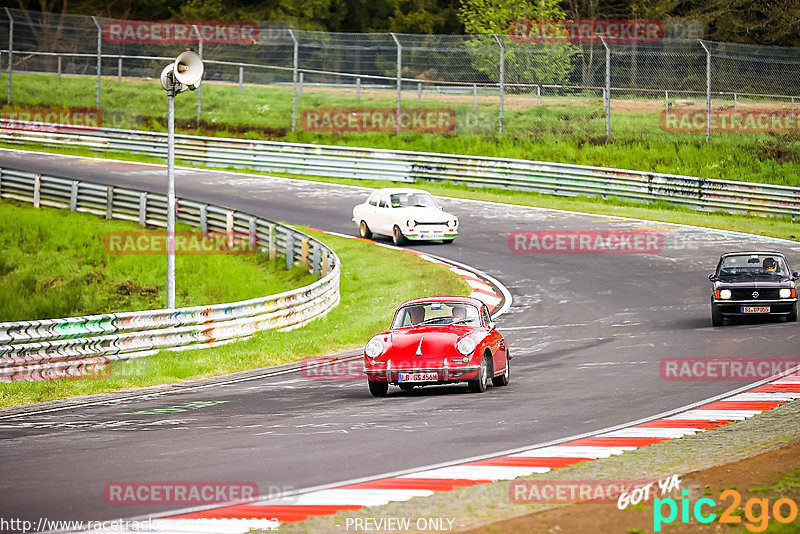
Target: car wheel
(364, 231)
(378, 389)
(716, 316)
(502, 380)
(397, 236)
(792, 317)
(406, 387)
(478, 384)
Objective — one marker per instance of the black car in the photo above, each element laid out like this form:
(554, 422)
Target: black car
(753, 283)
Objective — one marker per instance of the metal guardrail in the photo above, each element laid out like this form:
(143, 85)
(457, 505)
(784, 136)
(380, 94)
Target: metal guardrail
(406, 166)
(76, 346)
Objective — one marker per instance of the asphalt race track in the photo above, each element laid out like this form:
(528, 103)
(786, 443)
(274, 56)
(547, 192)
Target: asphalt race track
(587, 332)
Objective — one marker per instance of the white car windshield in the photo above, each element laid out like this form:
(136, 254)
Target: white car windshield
(405, 200)
(437, 313)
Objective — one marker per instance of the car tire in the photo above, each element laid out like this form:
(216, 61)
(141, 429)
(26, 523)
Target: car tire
(792, 317)
(406, 387)
(716, 316)
(364, 231)
(397, 236)
(478, 384)
(378, 389)
(502, 380)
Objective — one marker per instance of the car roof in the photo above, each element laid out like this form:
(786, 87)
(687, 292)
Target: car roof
(463, 300)
(399, 190)
(760, 252)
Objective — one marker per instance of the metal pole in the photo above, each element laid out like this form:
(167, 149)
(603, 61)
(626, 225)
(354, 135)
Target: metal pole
(419, 94)
(358, 89)
(171, 198)
(734, 105)
(99, 59)
(608, 88)
(119, 71)
(10, 52)
(708, 89)
(59, 68)
(300, 88)
(538, 95)
(666, 101)
(474, 97)
(792, 108)
(241, 78)
(399, 79)
(199, 89)
(294, 82)
(502, 81)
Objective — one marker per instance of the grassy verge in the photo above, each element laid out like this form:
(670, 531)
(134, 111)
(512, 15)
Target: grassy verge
(374, 281)
(53, 263)
(568, 129)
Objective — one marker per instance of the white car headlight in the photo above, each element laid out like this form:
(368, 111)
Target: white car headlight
(373, 349)
(725, 294)
(785, 293)
(410, 223)
(452, 223)
(466, 346)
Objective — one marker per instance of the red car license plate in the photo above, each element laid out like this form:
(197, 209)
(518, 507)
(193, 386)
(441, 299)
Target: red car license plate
(755, 309)
(418, 377)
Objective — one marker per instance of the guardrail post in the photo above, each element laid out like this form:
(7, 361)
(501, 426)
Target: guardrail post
(59, 68)
(792, 108)
(273, 243)
(37, 190)
(204, 220)
(304, 253)
(99, 58)
(251, 232)
(229, 228)
(142, 209)
(666, 102)
(119, 70)
(294, 83)
(241, 78)
(419, 94)
(502, 84)
(708, 89)
(315, 267)
(73, 196)
(10, 52)
(324, 263)
(399, 79)
(289, 249)
(358, 89)
(109, 202)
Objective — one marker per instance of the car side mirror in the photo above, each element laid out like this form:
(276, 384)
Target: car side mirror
(795, 275)
(491, 325)
(712, 277)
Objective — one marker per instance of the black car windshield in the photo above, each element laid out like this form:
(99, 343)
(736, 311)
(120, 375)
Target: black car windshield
(405, 200)
(437, 313)
(752, 265)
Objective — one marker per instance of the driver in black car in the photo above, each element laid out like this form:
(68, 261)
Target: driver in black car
(770, 266)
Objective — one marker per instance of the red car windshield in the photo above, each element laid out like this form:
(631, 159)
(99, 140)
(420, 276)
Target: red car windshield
(437, 313)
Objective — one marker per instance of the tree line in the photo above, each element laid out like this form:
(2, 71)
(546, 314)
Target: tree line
(763, 22)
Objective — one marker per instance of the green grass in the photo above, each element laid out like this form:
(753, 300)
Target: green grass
(53, 263)
(562, 129)
(375, 280)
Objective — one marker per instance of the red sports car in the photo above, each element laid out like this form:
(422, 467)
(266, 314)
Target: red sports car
(440, 340)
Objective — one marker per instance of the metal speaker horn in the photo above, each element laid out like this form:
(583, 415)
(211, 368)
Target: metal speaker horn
(189, 70)
(168, 79)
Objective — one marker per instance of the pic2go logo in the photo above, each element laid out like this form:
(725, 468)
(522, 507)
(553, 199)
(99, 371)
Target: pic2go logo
(756, 511)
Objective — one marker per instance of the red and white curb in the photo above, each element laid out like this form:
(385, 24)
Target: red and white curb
(705, 415)
(485, 288)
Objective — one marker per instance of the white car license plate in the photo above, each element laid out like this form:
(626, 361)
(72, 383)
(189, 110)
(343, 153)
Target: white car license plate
(755, 309)
(418, 377)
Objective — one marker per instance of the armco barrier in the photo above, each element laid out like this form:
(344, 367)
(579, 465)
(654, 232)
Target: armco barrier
(68, 347)
(405, 166)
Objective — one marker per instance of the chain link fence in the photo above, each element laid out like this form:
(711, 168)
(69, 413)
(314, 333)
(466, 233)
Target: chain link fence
(285, 79)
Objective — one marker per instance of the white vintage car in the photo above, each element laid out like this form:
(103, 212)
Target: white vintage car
(404, 214)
